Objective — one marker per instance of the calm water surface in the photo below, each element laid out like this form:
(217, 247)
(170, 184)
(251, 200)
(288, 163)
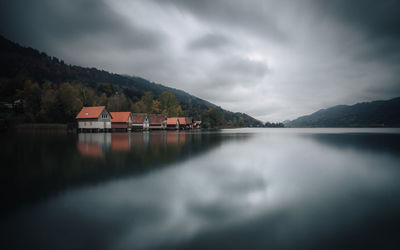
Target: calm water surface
(230, 189)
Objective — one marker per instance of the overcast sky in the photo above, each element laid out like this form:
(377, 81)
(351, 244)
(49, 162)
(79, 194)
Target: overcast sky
(274, 60)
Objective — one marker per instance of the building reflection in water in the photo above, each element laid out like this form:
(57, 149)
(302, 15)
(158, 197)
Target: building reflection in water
(97, 144)
(93, 144)
(120, 142)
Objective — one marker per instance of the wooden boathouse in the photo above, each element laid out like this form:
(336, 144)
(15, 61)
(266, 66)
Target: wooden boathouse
(94, 119)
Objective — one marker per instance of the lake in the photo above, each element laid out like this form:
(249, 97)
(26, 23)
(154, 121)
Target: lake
(228, 189)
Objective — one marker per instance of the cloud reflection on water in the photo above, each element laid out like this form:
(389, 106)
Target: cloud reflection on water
(277, 190)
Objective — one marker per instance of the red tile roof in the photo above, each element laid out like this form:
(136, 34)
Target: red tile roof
(120, 116)
(172, 120)
(138, 118)
(156, 119)
(182, 120)
(90, 112)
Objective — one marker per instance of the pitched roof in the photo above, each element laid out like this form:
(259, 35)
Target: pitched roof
(156, 118)
(182, 120)
(120, 116)
(90, 112)
(138, 117)
(172, 120)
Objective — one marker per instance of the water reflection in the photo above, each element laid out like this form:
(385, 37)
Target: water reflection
(266, 191)
(39, 165)
(97, 144)
(383, 143)
(94, 144)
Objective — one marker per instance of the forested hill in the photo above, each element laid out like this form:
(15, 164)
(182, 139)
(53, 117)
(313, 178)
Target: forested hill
(366, 114)
(21, 67)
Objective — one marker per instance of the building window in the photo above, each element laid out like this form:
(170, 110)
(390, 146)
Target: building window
(84, 124)
(90, 123)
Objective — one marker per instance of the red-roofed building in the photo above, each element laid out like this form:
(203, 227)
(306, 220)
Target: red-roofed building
(173, 123)
(140, 121)
(121, 120)
(94, 119)
(157, 121)
(184, 122)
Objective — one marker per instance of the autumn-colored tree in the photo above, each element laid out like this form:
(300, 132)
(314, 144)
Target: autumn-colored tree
(156, 107)
(169, 104)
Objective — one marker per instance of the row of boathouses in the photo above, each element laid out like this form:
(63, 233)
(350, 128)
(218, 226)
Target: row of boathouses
(98, 119)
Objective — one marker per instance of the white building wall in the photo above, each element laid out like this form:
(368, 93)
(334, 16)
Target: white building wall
(94, 124)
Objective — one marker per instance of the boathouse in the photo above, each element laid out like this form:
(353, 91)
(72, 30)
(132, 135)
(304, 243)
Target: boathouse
(185, 122)
(121, 121)
(94, 119)
(173, 123)
(140, 121)
(157, 121)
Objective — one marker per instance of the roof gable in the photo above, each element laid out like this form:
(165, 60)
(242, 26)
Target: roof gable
(120, 116)
(157, 118)
(138, 118)
(90, 112)
(172, 121)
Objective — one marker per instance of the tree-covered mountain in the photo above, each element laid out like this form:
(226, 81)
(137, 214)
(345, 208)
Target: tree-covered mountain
(366, 114)
(39, 80)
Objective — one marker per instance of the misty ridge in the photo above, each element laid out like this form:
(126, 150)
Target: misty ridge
(368, 114)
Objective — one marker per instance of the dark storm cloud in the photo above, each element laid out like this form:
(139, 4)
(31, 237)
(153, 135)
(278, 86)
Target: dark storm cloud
(43, 23)
(379, 21)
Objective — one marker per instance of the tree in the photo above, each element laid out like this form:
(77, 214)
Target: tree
(156, 107)
(147, 100)
(169, 104)
(32, 96)
(70, 104)
(100, 100)
(118, 102)
(49, 105)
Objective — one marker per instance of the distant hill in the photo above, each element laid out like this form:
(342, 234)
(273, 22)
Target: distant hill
(366, 114)
(18, 64)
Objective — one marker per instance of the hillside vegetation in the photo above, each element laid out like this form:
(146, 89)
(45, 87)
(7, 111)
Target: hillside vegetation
(366, 114)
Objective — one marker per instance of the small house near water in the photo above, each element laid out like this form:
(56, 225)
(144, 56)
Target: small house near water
(173, 123)
(121, 121)
(157, 121)
(94, 119)
(140, 121)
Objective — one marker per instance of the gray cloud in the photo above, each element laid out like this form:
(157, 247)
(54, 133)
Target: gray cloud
(244, 15)
(209, 41)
